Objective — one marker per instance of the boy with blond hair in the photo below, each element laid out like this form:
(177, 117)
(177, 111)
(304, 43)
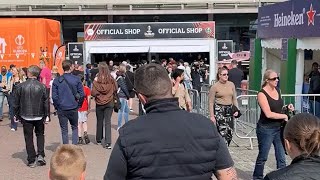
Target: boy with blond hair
(67, 163)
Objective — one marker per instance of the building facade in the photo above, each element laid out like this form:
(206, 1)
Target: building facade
(235, 20)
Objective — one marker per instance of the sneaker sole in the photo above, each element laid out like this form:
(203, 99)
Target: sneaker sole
(42, 163)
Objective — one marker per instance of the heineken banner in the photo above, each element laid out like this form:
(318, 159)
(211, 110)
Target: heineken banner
(76, 52)
(185, 30)
(290, 19)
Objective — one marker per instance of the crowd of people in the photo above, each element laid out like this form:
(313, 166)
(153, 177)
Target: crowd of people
(152, 146)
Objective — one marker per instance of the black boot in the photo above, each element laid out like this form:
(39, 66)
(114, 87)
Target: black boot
(86, 138)
(80, 141)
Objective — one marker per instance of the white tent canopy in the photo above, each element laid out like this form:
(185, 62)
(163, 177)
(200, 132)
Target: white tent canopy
(154, 46)
(308, 43)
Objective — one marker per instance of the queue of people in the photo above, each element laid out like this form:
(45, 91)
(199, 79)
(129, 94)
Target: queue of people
(152, 146)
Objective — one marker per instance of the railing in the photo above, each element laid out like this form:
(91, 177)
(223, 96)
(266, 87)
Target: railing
(245, 126)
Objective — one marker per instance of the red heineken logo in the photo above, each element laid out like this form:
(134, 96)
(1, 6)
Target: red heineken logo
(310, 15)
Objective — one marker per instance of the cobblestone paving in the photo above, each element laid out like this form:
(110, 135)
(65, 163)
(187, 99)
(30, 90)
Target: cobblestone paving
(13, 155)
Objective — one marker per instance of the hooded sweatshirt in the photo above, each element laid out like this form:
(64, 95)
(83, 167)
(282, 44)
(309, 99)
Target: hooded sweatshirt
(103, 91)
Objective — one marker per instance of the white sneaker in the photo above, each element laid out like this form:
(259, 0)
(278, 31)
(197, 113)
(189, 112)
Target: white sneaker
(118, 128)
(12, 129)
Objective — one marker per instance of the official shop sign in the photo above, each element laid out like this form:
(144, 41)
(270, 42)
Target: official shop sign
(290, 19)
(107, 31)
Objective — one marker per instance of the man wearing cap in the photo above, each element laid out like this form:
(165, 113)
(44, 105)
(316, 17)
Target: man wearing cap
(5, 79)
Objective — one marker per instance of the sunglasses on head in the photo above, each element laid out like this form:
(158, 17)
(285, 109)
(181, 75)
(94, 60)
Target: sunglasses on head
(273, 79)
(224, 74)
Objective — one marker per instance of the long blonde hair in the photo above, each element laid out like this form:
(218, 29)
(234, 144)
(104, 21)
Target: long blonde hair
(266, 77)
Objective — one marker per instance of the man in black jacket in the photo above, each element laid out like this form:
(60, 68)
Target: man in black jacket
(31, 106)
(167, 142)
(315, 89)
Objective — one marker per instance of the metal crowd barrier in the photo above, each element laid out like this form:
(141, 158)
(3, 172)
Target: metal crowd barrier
(194, 96)
(245, 126)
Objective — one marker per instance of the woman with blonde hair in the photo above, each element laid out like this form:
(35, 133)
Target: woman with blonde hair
(123, 94)
(103, 89)
(269, 124)
(17, 78)
(302, 142)
(222, 102)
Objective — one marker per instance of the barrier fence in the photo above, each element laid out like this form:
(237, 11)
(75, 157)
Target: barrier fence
(245, 126)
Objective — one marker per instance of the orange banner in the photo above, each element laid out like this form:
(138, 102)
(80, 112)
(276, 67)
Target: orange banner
(60, 56)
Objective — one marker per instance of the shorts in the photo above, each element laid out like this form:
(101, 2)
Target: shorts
(82, 116)
(132, 94)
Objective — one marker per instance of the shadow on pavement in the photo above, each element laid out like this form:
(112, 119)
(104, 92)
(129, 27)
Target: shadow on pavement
(21, 155)
(244, 174)
(52, 147)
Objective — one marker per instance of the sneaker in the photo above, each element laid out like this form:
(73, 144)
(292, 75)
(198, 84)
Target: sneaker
(80, 141)
(86, 138)
(131, 110)
(13, 129)
(98, 142)
(108, 146)
(32, 164)
(47, 120)
(41, 161)
(118, 128)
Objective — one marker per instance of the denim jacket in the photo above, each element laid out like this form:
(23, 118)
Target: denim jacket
(9, 77)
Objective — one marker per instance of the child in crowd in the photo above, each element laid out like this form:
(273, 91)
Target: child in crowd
(83, 113)
(67, 162)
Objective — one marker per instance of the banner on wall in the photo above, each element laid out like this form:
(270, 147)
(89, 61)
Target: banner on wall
(154, 30)
(60, 56)
(289, 19)
(225, 47)
(76, 52)
(284, 49)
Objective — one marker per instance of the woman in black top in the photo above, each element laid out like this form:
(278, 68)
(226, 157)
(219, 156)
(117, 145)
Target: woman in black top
(302, 141)
(17, 78)
(268, 127)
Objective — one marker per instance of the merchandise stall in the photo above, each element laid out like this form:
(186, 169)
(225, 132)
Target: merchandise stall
(151, 38)
(287, 33)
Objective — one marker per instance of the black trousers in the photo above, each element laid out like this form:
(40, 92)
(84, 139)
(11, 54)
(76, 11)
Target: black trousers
(104, 113)
(49, 104)
(38, 128)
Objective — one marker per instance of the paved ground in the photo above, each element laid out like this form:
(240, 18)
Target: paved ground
(13, 155)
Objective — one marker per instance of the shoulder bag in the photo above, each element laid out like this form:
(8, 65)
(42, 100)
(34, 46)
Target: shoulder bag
(75, 94)
(116, 100)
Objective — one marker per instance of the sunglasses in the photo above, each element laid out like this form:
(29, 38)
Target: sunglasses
(224, 74)
(273, 79)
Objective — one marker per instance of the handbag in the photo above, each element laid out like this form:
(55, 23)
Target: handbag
(234, 110)
(116, 100)
(285, 110)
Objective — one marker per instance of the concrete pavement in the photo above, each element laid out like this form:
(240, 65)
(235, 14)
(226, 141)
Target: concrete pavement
(13, 155)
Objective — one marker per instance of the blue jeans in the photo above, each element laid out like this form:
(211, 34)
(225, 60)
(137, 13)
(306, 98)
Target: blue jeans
(124, 110)
(267, 136)
(72, 117)
(2, 96)
(315, 108)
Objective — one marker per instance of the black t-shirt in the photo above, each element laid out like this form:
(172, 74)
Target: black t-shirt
(236, 76)
(77, 72)
(93, 73)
